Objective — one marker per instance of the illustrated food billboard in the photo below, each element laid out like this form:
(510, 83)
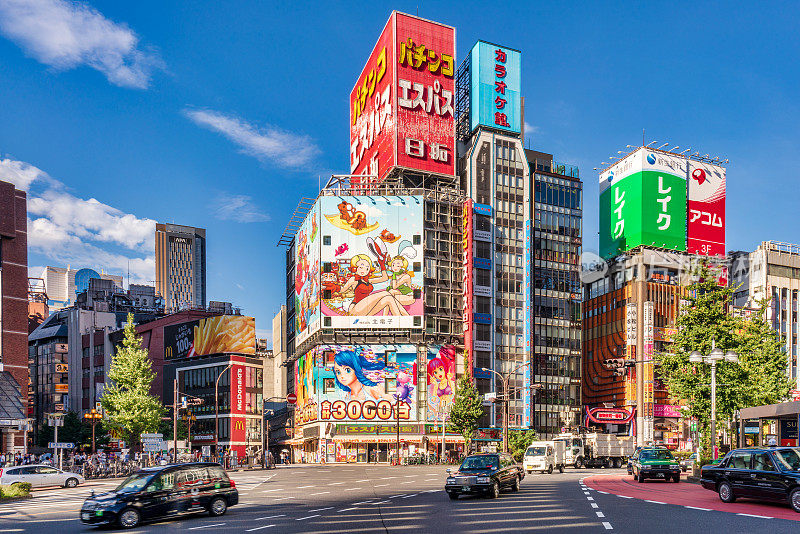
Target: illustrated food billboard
(371, 261)
(306, 279)
(643, 202)
(496, 78)
(213, 335)
(402, 105)
(357, 383)
(705, 218)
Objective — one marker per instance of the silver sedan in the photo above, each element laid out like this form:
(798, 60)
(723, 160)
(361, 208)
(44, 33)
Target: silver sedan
(39, 475)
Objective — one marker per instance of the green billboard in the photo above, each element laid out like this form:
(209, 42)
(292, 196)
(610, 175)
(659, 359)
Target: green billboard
(643, 202)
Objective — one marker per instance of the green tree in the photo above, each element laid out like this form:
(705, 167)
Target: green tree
(759, 377)
(127, 403)
(519, 441)
(466, 409)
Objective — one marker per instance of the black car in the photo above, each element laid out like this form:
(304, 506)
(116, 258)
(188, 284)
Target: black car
(631, 458)
(770, 474)
(161, 492)
(484, 474)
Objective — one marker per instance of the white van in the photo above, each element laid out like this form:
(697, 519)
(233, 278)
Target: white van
(544, 456)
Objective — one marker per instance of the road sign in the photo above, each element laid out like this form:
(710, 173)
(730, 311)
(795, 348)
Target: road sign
(291, 398)
(60, 445)
(490, 397)
(152, 436)
(193, 401)
(206, 450)
(154, 446)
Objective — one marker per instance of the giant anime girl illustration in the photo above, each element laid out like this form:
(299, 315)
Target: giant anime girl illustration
(441, 381)
(350, 369)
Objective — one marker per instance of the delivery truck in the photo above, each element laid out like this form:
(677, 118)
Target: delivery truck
(544, 456)
(596, 449)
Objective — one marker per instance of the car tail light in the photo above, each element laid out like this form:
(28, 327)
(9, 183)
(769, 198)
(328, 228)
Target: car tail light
(233, 484)
(1, 471)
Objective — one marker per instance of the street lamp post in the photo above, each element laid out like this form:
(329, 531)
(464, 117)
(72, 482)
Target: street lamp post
(93, 417)
(505, 398)
(715, 356)
(265, 430)
(216, 408)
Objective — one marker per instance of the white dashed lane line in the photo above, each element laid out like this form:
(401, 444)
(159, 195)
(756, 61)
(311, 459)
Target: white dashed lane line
(259, 528)
(594, 505)
(320, 509)
(756, 516)
(269, 517)
(698, 508)
(607, 525)
(307, 517)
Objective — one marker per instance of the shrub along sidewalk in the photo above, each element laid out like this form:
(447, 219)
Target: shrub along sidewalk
(20, 490)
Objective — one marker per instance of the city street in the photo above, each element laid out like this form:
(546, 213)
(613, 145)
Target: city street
(355, 498)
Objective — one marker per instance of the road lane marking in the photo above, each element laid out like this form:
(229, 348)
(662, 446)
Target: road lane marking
(303, 487)
(206, 526)
(269, 517)
(346, 509)
(387, 478)
(624, 496)
(318, 493)
(270, 491)
(365, 480)
(756, 516)
(259, 528)
(655, 502)
(412, 495)
(431, 479)
(307, 517)
(321, 509)
(607, 525)
(600, 514)
(594, 505)
(410, 476)
(396, 496)
(351, 489)
(589, 498)
(363, 502)
(335, 483)
(698, 508)
(380, 485)
(381, 502)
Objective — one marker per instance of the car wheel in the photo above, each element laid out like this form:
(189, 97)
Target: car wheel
(530, 471)
(71, 482)
(794, 500)
(217, 507)
(494, 492)
(639, 477)
(726, 493)
(561, 468)
(549, 469)
(676, 478)
(579, 463)
(129, 518)
(453, 495)
(515, 485)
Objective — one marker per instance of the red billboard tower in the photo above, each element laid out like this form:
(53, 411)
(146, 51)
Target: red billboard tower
(402, 107)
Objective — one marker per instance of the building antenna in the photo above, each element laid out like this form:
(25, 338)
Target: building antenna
(642, 136)
(129, 273)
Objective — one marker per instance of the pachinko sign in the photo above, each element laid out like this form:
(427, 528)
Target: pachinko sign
(402, 106)
(359, 382)
(371, 262)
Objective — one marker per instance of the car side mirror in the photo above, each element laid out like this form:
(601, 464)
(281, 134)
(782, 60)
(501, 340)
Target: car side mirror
(449, 470)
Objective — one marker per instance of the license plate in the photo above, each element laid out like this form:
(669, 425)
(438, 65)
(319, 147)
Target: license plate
(86, 516)
(465, 488)
(659, 475)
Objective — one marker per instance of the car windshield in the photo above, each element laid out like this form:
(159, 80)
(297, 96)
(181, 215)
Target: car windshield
(789, 459)
(476, 463)
(535, 451)
(134, 483)
(656, 455)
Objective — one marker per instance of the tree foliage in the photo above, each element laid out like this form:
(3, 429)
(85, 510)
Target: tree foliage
(466, 409)
(127, 403)
(759, 377)
(519, 441)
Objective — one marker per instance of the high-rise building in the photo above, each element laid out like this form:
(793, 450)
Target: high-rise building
(181, 266)
(13, 317)
(62, 285)
(771, 272)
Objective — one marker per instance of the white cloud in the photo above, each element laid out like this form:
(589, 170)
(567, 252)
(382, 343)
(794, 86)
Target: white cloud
(267, 144)
(530, 129)
(65, 34)
(71, 230)
(240, 208)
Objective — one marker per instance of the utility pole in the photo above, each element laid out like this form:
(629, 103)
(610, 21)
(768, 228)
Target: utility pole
(175, 418)
(397, 410)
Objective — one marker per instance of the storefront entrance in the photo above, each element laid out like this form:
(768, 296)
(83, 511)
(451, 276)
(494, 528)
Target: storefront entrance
(377, 452)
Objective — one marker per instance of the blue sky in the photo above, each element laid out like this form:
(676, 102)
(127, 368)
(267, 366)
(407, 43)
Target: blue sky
(222, 115)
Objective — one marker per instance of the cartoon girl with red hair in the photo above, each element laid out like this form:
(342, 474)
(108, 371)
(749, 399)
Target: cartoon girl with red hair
(440, 376)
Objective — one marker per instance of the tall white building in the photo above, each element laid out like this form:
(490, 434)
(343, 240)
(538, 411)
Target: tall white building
(772, 271)
(62, 285)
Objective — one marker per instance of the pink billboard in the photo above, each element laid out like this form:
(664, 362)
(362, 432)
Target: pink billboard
(705, 209)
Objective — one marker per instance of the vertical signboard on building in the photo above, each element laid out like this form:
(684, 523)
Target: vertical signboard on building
(496, 74)
(705, 209)
(526, 330)
(467, 286)
(630, 353)
(643, 202)
(648, 324)
(238, 404)
(402, 105)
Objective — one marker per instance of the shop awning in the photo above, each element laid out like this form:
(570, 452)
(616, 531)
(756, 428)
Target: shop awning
(377, 439)
(293, 441)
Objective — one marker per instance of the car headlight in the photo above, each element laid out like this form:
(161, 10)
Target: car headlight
(483, 480)
(451, 480)
(674, 466)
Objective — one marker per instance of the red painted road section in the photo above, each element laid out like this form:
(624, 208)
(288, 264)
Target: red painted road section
(684, 494)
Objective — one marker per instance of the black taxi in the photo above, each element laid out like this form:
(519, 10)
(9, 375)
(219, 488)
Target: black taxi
(763, 473)
(484, 474)
(162, 492)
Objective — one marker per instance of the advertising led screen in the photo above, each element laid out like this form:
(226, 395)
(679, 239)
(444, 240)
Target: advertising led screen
(357, 383)
(306, 279)
(496, 76)
(643, 202)
(213, 335)
(402, 105)
(705, 217)
(371, 259)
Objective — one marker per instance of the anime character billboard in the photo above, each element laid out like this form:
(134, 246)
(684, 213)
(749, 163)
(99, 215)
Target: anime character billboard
(366, 382)
(371, 261)
(306, 280)
(441, 380)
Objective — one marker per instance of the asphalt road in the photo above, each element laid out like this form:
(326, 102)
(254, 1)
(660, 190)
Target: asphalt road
(355, 498)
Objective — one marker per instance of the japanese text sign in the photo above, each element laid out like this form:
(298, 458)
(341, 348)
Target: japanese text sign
(496, 74)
